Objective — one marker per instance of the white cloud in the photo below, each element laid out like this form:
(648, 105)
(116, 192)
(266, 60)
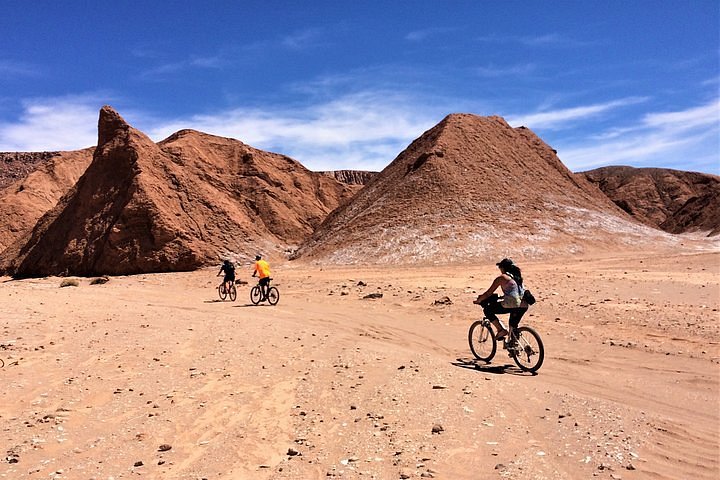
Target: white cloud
(684, 139)
(568, 117)
(67, 123)
(360, 131)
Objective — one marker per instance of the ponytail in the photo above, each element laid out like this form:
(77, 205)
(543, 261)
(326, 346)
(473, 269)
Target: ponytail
(515, 273)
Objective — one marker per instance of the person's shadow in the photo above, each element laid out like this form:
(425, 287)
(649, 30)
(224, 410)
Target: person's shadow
(485, 367)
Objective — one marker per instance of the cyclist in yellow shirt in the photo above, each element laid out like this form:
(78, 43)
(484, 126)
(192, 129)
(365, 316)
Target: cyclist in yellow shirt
(262, 270)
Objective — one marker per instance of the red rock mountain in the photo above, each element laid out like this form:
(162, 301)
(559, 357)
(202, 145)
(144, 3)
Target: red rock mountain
(473, 187)
(40, 179)
(672, 200)
(182, 203)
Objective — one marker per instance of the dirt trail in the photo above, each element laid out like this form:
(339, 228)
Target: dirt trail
(328, 384)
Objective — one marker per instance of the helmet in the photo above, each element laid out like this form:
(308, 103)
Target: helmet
(505, 263)
(257, 257)
(226, 262)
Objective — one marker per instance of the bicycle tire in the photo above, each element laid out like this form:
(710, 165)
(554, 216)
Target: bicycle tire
(481, 338)
(529, 357)
(222, 292)
(255, 295)
(232, 293)
(273, 296)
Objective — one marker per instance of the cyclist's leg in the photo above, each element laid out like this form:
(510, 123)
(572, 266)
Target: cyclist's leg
(491, 310)
(516, 315)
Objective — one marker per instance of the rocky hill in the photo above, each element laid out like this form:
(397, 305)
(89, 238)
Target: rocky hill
(176, 205)
(15, 166)
(40, 180)
(473, 187)
(672, 200)
(351, 177)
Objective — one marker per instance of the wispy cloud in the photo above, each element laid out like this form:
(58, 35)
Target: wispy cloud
(362, 130)
(302, 39)
(546, 40)
(207, 62)
(686, 139)
(10, 68)
(66, 123)
(492, 71)
(420, 35)
(567, 117)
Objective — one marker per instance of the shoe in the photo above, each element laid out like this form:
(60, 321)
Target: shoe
(501, 334)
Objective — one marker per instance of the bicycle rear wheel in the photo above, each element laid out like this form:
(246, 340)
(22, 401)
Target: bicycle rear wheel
(255, 295)
(233, 293)
(530, 351)
(222, 291)
(273, 296)
(482, 341)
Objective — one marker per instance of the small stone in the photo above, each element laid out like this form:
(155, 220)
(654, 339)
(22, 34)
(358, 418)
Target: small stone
(439, 387)
(292, 452)
(139, 463)
(437, 428)
(630, 466)
(164, 447)
(499, 466)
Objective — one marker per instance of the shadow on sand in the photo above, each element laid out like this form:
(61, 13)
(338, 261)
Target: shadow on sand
(479, 365)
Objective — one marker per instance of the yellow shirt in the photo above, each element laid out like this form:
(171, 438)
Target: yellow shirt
(262, 268)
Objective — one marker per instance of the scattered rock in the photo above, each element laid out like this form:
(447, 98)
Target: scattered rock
(373, 295)
(437, 428)
(100, 280)
(443, 301)
(69, 282)
(292, 452)
(164, 447)
(139, 463)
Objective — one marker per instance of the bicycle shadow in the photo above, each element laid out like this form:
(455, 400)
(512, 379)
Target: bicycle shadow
(479, 365)
(246, 305)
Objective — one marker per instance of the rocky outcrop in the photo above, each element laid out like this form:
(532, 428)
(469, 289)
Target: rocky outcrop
(672, 200)
(176, 205)
(351, 177)
(15, 166)
(44, 178)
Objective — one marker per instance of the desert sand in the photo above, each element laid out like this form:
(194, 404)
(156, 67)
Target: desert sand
(152, 376)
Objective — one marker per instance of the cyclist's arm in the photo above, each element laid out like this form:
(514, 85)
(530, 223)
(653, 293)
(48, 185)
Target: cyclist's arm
(489, 291)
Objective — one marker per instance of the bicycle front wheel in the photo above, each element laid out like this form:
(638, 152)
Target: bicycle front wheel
(255, 295)
(273, 296)
(530, 351)
(233, 293)
(482, 341)
(222, 291)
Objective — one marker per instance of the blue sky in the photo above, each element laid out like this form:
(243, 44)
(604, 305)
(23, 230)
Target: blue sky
(349, 84)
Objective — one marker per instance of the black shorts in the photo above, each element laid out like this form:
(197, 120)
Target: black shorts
(265, 281)
(229, 278)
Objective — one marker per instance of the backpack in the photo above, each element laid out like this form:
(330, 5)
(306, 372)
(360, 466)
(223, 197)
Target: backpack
(528, 297)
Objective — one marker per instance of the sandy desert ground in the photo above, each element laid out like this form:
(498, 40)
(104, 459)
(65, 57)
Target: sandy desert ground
(151, 376)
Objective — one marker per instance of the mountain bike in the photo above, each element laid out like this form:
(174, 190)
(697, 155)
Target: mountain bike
(256, 296)
(523, 345)
(225, 291)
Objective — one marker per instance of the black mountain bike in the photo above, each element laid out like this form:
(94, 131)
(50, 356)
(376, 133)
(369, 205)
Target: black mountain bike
(225, 291)
(256, 296)
(523, 345)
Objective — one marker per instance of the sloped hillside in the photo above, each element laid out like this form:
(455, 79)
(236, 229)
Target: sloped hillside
(473, 187)
(672, 200)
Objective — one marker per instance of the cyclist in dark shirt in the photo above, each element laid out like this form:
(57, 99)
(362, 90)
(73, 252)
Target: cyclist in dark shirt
(229, 270)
